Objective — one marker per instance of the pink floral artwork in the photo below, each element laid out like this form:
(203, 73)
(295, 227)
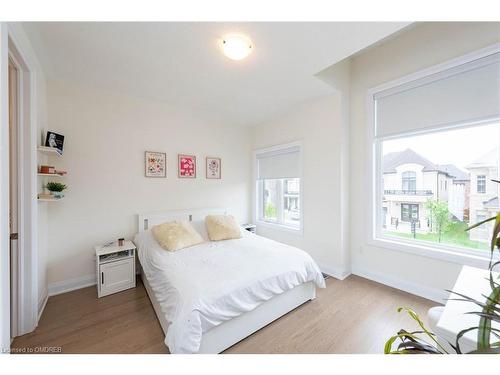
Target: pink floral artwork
(187, 166)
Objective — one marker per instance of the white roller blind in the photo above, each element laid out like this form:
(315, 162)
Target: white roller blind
(464, 93)
(283, 163)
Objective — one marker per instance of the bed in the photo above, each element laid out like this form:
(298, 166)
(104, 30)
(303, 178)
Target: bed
(210, 296)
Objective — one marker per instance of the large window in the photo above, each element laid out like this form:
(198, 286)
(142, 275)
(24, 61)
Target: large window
(437, 148)
(440, 216)
(278, 187)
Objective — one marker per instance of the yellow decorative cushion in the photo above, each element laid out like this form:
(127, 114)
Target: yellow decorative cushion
(222, 227)
(176, 235)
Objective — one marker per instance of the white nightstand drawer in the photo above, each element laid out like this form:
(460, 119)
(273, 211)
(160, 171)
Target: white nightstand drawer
(116, 276)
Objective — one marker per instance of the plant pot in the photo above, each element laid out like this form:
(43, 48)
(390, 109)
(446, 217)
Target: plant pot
(57, 194)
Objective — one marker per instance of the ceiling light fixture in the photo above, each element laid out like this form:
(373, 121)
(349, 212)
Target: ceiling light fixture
(236, 47)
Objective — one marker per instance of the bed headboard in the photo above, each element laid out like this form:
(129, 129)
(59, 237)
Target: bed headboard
(148, 220)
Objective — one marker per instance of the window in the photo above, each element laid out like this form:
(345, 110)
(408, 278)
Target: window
(441, 219)
(409, 181)
(281, 201)
(278, 187)
(481, 184)
(429, 126)
(409, 212)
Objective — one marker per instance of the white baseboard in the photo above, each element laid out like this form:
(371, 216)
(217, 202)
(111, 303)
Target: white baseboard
(42, 302)
(433, 294)
(71, 284)
(336, 272)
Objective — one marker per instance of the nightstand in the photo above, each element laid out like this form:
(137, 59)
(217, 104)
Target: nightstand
(115, 267)
(252, 228)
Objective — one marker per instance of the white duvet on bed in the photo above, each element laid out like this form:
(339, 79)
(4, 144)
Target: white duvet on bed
(202, 286)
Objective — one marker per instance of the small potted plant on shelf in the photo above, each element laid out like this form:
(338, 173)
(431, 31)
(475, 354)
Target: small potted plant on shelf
(56, 189)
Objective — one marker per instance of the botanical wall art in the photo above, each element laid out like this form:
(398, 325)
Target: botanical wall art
(187, 166)
(156, 164)
(213, 168)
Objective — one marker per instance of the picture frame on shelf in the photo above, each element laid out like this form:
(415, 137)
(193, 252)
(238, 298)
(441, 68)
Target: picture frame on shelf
(54, 140)
(155, 164)
(186, 166)
(213, 168)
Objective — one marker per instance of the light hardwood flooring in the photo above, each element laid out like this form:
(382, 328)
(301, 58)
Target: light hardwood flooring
(351, 316)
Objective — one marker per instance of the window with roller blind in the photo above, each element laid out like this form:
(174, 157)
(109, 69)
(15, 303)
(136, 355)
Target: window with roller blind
(436, 143)
(278, 187)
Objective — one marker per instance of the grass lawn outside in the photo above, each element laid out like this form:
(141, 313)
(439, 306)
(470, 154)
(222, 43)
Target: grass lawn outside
(455, 235)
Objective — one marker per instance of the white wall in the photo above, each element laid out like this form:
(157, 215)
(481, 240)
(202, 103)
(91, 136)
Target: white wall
(318, 124)
(423, 46)
(106, 135)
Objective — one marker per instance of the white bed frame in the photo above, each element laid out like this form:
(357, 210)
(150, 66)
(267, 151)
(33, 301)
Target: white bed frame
(232, 331)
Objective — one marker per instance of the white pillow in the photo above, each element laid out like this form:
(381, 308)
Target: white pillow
(222, 227)
(176, 235)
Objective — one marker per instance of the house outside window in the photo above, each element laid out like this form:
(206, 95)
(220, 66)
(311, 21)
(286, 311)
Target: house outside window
(481, 184)
(443, 201)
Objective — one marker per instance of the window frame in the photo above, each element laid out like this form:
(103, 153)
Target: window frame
(258, 192)
(374, 220)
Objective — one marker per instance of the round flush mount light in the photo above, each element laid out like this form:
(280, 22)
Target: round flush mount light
(236, 46)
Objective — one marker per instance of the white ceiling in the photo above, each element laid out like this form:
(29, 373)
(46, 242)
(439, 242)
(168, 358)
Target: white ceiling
(181, 63)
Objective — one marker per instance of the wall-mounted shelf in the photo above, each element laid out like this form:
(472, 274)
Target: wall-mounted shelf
(50, 199)
(48, 151)
(50, 174)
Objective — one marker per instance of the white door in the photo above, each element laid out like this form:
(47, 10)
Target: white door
(116, 276)
(13, 193)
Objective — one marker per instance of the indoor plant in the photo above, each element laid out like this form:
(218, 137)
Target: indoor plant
(56, 189)
(424, 341)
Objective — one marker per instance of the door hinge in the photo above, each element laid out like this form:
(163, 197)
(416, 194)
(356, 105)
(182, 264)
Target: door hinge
(14, 236)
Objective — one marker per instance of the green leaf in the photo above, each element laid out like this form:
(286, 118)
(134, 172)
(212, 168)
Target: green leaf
(480, 223)
(496, 230)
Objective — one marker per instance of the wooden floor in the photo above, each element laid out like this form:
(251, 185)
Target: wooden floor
(351, 316)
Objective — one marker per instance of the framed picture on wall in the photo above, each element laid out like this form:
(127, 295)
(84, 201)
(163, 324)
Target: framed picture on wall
(213, 168)
(156, 164)
(186, 166)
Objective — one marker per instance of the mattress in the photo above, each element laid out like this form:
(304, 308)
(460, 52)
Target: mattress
(202, 286)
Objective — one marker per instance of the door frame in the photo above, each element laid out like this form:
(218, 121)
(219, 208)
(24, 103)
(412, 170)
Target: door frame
(14, 255)
(14, 45)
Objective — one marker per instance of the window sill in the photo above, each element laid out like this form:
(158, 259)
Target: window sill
(281, 227)
(439, 252)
